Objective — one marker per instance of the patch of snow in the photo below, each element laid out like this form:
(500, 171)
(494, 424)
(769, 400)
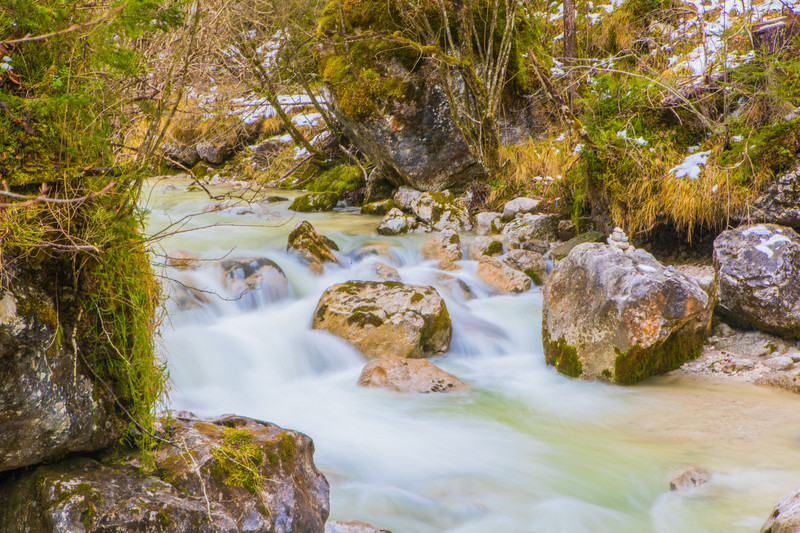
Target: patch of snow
(760, 229)
(714, 189)
(578, 148)
(737, 138)
(560, 138)
(638, 140)
(646, 268)
(309, 120)
(764, 247)
(282, 139)
(690, 167)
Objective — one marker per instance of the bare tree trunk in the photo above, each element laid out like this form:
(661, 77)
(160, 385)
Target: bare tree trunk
(570, 45)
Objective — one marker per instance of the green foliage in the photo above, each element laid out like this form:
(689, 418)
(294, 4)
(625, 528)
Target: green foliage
(339, 179)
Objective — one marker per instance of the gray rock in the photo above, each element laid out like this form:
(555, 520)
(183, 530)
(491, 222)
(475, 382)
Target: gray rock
(185, 155)
(440, 211)
(782, 362)
(530, 263)
(265, 152)
(566, 230)
(228, 474)
(183, 260)
(780, 204)
(404, 197)
(562, 250)
(519, 205)
(621, 317)
(214, 153)
(50, 404)
(386, 319)
(377, 187)
(396, 223)
(785, 518)
(488, 223)
(532, 227)
(757, 270)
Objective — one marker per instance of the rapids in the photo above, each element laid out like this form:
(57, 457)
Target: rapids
(524, 450)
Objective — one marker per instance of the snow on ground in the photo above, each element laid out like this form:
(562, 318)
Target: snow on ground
(690, 167)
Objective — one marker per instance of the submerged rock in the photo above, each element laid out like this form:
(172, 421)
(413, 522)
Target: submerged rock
(757, 272)
(446, 246)
(385, 272)
(228, 474)
(50, 403)
(785, 518)
(386, 319)
(408, 375)
(621, 317)
(183, 260)
(241, 275)
(354, 526)
(315, 201)
(689, 479)
(312, 247)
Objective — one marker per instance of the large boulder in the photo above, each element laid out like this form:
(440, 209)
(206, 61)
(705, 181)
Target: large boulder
(621, 317)
(386, 319)
(228, 474)
(520, 205)
(312, 247)
(757, 272)
(408, 375)
(50, 403)
(414, 142)
(785, 518)
(488, 223)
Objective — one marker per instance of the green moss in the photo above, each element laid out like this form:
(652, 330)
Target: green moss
(40, 311)
(338, 179)
(286, 447)
(534, 277)
(494, 248)
(440, 322)
(392, 284)
(562, 356)
(377, 208)
(417, 297)
(638, 364)
(318, 201)
(239, 459)
(362, 319)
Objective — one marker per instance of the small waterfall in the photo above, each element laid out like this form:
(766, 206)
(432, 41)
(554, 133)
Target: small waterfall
(523, 450)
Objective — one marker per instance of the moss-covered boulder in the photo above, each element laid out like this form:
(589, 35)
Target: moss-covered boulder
(386, 319)
(758, 278)
(50, 402)
(488, 223)
(562, 250)
(312, 247)
(315, 201)
(228, 474)
(481, 246)
(408, 376)
(621, 317)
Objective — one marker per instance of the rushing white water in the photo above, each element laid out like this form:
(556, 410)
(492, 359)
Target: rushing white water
(523, 450)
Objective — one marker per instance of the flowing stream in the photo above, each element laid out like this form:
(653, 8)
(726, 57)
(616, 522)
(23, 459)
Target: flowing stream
(523, 450)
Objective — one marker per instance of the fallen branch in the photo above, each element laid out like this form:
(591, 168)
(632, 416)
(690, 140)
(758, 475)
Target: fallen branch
(30, 200)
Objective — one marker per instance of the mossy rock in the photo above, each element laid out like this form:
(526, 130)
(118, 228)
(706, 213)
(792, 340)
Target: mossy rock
(562, 250)
(313, 202)
(380, 208)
